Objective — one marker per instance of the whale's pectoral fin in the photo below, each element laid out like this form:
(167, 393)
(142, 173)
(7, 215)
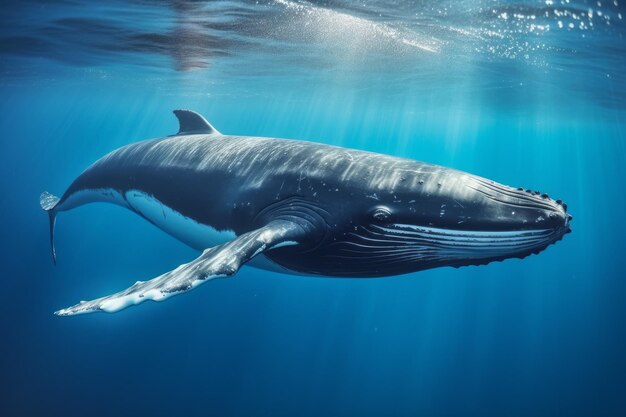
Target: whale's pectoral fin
(216, 262)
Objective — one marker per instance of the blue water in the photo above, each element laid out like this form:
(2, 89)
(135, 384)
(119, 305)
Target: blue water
(529, 94)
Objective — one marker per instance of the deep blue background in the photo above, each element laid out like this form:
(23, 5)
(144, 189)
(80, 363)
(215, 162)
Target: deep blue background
(539, 336)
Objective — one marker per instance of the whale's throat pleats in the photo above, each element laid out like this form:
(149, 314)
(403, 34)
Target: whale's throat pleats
(381, 250)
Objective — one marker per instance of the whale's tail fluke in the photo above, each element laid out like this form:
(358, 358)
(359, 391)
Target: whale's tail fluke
(48, 202)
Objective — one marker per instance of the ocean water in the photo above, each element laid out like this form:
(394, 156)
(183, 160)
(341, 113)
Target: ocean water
(528, 93)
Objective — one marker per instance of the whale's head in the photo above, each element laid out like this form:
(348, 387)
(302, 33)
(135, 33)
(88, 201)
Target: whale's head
(447, 218)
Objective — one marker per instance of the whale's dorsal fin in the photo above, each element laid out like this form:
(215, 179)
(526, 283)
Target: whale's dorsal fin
(191, 123)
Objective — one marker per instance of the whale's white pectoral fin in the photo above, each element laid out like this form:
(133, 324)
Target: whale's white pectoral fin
(216, 262)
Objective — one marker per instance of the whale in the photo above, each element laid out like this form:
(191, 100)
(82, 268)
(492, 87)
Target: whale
(304, 208)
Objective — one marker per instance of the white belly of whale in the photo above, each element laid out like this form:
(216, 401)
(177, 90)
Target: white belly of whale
(187, 230)
(198, 236)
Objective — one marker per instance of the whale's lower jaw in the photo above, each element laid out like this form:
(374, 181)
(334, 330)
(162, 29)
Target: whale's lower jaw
(432, 244)
(394, 249)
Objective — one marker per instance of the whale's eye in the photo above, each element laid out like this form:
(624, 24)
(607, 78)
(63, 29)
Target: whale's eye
(381, 214)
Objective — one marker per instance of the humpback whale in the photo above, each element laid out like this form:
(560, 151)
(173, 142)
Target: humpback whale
(304, 208)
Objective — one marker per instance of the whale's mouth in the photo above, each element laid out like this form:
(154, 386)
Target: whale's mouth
(435, 243)
(384, 249)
